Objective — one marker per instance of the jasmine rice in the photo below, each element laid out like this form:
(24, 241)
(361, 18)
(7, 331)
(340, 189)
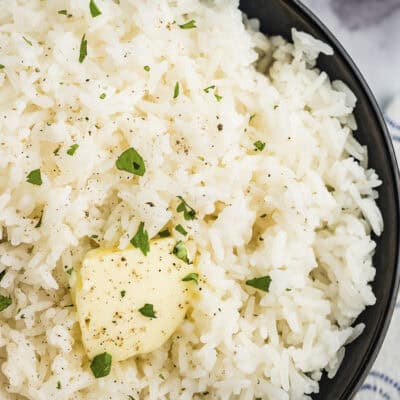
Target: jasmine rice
(125, 121)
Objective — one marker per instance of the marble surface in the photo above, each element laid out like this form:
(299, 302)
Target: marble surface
(370, 32)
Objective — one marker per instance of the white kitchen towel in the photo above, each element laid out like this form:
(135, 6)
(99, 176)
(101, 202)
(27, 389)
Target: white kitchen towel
(383, 382)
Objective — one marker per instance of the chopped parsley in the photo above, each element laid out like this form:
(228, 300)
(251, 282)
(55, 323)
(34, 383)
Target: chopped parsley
(252, 116)
(39, 223)
(27, 41)
(94, 10)
(261, 283)
(146, 68)
(102, 96)
(188, 212)
(259, 145)
(193, 276)
(58, 385)
(55, 152)
(131, 161)
(123, 293)
(161, 376)
(288, 289)
(83, 49)
(5, 302)
(130, 397)
(62, 12)
(180, 252)
(179, 228)
(71, 151)
(101, 365)
(176, 90)
(2, 273)
(34, 177)
(69, 271)
(218, 97)
(164, 233)
(207, 89)
(141, 240)
(2, 66)
(148, 311)
(188, 25)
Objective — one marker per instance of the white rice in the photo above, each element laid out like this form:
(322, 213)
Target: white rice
(311, 182)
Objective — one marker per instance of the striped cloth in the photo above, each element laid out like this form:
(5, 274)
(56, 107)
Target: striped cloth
(383, 382)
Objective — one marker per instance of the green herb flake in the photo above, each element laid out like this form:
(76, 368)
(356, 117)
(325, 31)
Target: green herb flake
(123, 293)
(176, 90)
(288, 289)
(201, 158)
(102, 96)
(34, 177)
(188, 25)
(94, 236)
(2, 66)
(218, 97)
(148, 311)
(164, 234)
(193, 276)
(161, 376)
(180, 251)
(261, 283)
(83, 49)
(131, 161)
(27, 41)
(2, 273)
(207, 89)
(58, 385)
(69, 271)
(62, 12)
(141, 240)
(71, 151)
(188, 212)
(5, 302)
(252, 116)
(94, 10)
(263, 215)
(101, 365)
(259, 145)
(146, 68)
(179, 228)
(39, 223)
(130, 397)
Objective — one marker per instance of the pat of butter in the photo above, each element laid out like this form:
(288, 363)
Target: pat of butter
(112, 286)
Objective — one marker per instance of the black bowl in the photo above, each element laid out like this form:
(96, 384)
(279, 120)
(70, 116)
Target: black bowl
(277, 17)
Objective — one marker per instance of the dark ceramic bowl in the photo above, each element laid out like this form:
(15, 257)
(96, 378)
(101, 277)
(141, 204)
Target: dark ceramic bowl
(277, 18)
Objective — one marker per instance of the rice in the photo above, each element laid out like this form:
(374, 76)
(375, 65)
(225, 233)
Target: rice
(301, 210)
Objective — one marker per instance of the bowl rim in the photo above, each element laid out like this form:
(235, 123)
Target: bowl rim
(382, 329)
